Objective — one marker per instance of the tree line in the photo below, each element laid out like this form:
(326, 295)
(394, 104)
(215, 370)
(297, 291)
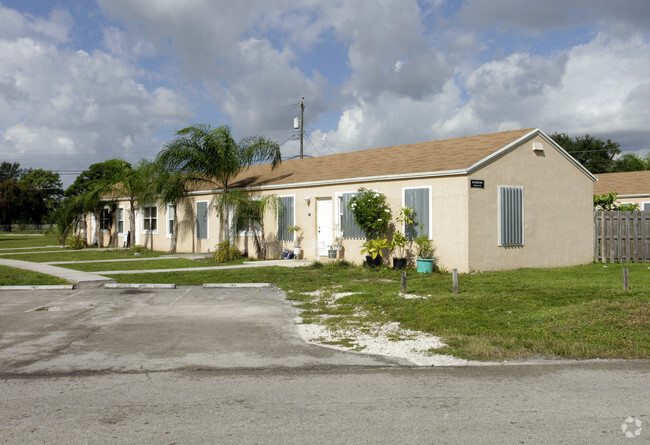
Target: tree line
(28, 196)
(600, 155)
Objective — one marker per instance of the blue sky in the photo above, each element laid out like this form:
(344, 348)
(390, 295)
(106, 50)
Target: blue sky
(82, 82)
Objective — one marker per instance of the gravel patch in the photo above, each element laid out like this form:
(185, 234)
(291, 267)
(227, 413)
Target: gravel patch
(389, 340)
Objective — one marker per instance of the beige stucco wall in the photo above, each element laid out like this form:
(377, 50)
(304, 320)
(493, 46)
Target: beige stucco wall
(558, 214)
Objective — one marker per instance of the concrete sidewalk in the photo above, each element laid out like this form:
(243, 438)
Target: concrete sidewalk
(73, 276)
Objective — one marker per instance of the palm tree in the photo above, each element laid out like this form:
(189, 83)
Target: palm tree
(135, 184)
(248, 217)
(170, 188)
(203, 154)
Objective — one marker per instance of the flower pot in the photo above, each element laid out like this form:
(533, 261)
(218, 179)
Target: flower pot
(296, 252)
(399, 263)
(425, 265)
(373, 262)
(331, 253)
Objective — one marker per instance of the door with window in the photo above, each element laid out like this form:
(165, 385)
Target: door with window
(324, 225)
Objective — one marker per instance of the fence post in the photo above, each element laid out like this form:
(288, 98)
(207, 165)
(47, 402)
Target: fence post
(454, 274)
(403, 281)
(626, 278)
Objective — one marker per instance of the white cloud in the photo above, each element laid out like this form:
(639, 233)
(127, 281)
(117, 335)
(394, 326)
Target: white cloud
(601, 88)
(62, 109)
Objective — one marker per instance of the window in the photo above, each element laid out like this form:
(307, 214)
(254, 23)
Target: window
(120, 220)
(286, 217)
(418, 199)
(347, 224)
(202, 219)
(150, 219)
(105, 219)
(646, 206)
(511, 216)
(171, 209)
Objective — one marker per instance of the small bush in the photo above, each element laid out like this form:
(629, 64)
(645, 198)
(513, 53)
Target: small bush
(226, 253)
(316, 265)
(77, 242)
(138, 249)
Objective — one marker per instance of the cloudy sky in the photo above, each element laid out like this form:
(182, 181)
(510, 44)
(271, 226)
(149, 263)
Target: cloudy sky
(82, 82)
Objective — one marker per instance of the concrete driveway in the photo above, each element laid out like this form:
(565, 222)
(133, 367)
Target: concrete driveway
(53, 332)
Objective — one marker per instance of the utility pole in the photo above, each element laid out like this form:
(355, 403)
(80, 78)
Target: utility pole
(302, 114)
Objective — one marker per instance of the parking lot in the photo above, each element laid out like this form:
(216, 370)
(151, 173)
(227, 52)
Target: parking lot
(123, 330)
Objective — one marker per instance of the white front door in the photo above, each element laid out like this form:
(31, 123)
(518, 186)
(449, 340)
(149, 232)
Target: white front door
(325, 225)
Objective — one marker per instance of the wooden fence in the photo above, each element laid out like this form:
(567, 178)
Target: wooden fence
(622, 236)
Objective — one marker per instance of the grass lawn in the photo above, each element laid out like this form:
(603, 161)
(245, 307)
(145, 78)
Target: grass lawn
(82, 255)
(575, 312)
(171, 263)
(11, 276)
(10, 240)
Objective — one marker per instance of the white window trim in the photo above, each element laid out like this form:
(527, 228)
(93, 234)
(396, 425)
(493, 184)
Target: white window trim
(109, 219)
(430, 206)
(207, 220)
(293, 234)
(117, 212)
(643, 204)
(523, 215)
(167, 219)
(142, 218)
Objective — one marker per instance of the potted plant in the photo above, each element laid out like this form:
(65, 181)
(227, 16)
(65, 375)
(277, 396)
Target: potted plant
(425, 254)
(335, 247)
(297, 250)
(373, 250)
(400, 242)
(372, 213)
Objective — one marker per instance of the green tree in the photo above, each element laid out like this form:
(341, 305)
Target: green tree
(206, 155)
(171, 188)
(43, 193)
(137, 185)
(248, 217)
(596, 155)
(87, 195)
(9, 171)
(630, 162)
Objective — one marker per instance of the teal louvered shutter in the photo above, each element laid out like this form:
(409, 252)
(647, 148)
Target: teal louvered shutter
(511, 216)
(285, 217)
(349, 227)
(417, 199)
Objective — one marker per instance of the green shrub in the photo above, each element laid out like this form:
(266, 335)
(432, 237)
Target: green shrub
(77, 242)
(226, 253)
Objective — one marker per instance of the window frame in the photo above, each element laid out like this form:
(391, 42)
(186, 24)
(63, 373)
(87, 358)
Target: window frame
(143, 212)
(119, 220)
(105, 219)
(289, 235)
(643, 204)
(500, 219)
(207, 219)
(339, 209)
(169, 218)
(430, 204)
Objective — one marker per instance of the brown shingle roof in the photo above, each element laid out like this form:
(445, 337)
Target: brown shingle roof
(436, 156)
(625, 183)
